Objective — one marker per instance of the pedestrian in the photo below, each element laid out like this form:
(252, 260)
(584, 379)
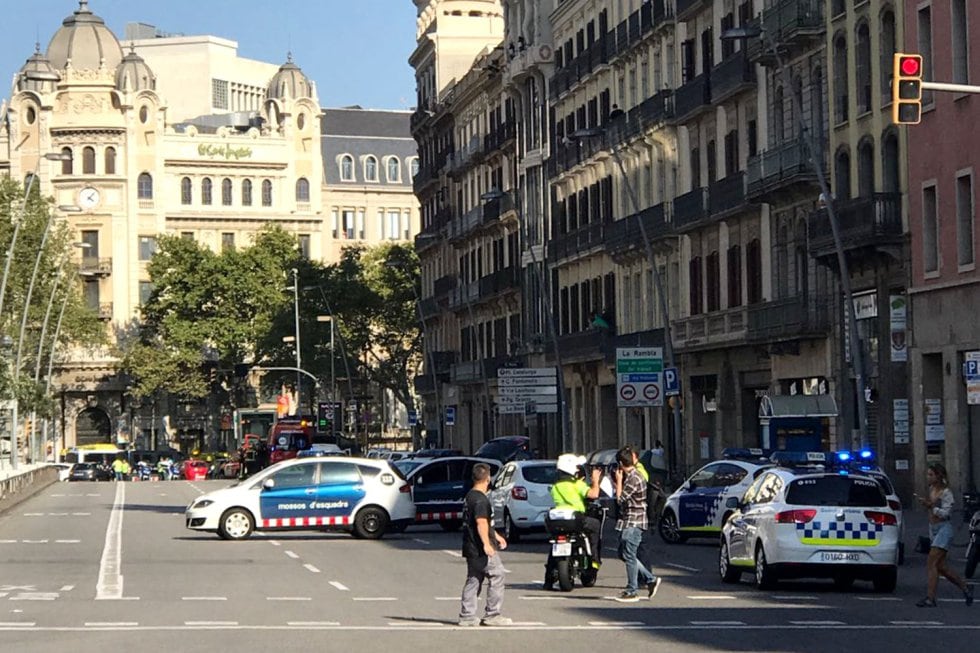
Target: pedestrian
(658, 448)
(940, 506)
(117, 468)
(631, 497)
(481, 549)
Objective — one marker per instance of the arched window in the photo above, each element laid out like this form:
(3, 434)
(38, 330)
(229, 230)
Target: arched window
(66, 161)
(414, 166)
(842, 174)
(889, 163)
(370, 169)
(347, 168)
(887, 41)
(186, 193)
(266, 193)
(841, 73)
(247, 192)
(817, 108)
(866, 168)
(206, 186)
(144, 186)
(110, 160)
(839, 7)
(88, 161)
(226, 192)
(778, 115)
(862, 62)
(394, 170)
(303, 189)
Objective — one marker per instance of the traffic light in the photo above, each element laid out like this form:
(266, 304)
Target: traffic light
(906, 88)
(324, 417)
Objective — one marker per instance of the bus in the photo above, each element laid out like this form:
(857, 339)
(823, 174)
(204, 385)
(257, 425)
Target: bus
(92, 453)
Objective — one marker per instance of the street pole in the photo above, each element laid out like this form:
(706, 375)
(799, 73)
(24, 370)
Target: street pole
(481, 356)
(299, 360)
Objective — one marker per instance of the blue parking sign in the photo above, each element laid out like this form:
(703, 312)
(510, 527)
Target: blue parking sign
(413, 418)
(672, 382)
(450, 415)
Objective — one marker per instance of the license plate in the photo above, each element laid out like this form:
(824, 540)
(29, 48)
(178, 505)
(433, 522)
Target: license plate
(840, 557)
(561, 549)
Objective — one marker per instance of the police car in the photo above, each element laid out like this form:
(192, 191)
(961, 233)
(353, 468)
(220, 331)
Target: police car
(697, 508)
(362, 496)
(864, 462)
(811, 521)
(439, 486)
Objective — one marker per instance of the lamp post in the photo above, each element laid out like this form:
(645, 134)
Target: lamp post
(333, 357)
(755, 31)
(566, 427)
(669, 359)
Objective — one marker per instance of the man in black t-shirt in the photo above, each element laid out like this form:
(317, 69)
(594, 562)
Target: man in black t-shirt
(481, 546)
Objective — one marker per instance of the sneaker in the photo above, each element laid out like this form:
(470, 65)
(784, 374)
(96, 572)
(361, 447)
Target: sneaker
(926, 603)
(627, 597)
(468, 623)
(653, 586)
(497, 620)
(968, 595)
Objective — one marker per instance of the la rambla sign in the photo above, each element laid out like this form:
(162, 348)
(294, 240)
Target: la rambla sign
(224, 151)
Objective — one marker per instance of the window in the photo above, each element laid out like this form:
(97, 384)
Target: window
(370, 169)
(266, 192)
(778, 115)
(144, 114)
(110, 160)
(294, 476)
(347, 224)
(713, 273)
(219, 94)
(226, 192)
(862, 56)
(930, 230)
(206, 185)
(338, 474)
(185, 191)
(146, 291)
(924, 35)
(753, 272)
(187, 235)
(66, 162)
(839, 6)
(394, 170)
(303, 189)
(840, 78)
(866, 172)
(91, 294)
(227, 242)
(414, 165)
(144, 186)
(247, 192)
(887, 51)
(394, 220)
(88, 161)
(842, 174)
(734, 276)
(346, 168)
(961, 50)
(304, 245)
(147, 247)
(694, 275)
(964, 220)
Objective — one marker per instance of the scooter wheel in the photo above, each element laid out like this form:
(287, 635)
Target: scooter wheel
(564, 575)
(588, 577)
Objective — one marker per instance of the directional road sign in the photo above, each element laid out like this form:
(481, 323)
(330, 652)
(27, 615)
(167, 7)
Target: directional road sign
(639, 376)
(527, 388)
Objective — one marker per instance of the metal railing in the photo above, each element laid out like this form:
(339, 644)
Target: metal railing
(771, 168)
(790, 318)
(862, 221)
(692, 97)
(690, 207)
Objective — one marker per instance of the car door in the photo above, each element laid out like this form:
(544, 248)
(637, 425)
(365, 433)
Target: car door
(439, 489)
(730, 480)
(738, 525)
(759, 516)
(338, 492)
(695, 497)
(502, 484)
(287, 503)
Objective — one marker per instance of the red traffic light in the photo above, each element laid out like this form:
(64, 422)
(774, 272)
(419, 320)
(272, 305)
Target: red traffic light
(910, 66)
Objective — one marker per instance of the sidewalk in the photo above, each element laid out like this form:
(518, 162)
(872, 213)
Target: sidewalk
(917, 524)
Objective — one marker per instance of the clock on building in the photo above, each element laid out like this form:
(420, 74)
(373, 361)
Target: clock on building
(88, 198)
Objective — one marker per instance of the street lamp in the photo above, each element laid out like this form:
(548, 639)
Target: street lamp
(669, 359)
(333, 358)
(566, 428)
(756, 31)
(299, 359)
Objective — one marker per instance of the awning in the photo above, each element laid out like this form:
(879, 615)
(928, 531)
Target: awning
(797, 406)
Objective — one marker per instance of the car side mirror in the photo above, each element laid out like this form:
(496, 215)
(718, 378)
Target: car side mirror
(269, 483)
(732, 503)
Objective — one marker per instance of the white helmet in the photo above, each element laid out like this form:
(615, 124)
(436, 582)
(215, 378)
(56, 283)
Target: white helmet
(569, 463)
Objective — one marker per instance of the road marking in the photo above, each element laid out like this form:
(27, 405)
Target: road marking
(67, 541)
(109, 624)
(790, 597)
(81, 514)
(91, 495)
(210, 623)
(455, 554)
(420, 541)
(447, 598)
(3, 594)
(16, 624)
(291, 555)
(615, 623)
(34, 541)
(8, 541)
(374, 598)
(18, 588)
(537, 625)
(274, 543)
(684, 567)
(57, 514)
(877, 598)
(35, 596)
(541, 598)
(34, 514)
(527, 623)
(340, 586)
(312, 624)
(817, 623)
(66, 588)
(203, 598)
(288, 598)
(57, 495)
(426, 625)
(712, 597)
(717, 623)
(311, 568)
(110, 583)
(916, 623)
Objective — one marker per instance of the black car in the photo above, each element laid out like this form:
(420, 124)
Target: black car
(506, 449)
(88, 472)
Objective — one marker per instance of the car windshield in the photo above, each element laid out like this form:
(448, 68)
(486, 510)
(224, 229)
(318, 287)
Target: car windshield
(835, 490)
(886, 484)
(406, 466)
(543, 474)
(83, 466)
(502, 449)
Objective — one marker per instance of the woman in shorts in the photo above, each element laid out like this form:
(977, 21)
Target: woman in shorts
(940, 506)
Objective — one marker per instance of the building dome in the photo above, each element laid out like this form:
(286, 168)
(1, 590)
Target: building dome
(85, 41)
(134, 75)
(289, 82)
(37, 74)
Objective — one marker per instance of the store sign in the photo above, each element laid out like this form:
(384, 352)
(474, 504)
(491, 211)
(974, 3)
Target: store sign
(866, 306)
(224, 151)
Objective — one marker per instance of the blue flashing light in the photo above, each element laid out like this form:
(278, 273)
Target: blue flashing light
(842, 472)
(866, 454)
(843, 456)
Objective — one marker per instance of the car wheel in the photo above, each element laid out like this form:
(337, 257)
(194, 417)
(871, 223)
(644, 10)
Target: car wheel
(843, 582)
(901, 553)
(564, 574)
(669, 530)
(511, 532)
(236, 524)
(370, 523)
(972, 554)
(728, 573)
(885, 581)
(764, 577)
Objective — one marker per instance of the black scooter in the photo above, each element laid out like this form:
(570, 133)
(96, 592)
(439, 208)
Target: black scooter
(570, 550)
(971, 502)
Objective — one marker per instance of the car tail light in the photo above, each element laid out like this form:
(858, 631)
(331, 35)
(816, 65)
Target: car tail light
(405, 488)
(795, 516)
(894, 504)
(561, 538)
(519, 493)
(881, 518)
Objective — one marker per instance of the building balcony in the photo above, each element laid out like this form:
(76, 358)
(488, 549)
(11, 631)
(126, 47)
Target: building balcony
(625, 235)
(692, 99)
(501, 135)
(710, 330)
(493, 209)
(475, 371)
(443, 361)
(795, 318)
(727, 196)
(429, 307)
(649, 338)
(690, 208)
(105, 310)
(425, 384)
(866, 225)
(732, 76)
(464, 294)
(657, 109)
(782, 170)
(582, 345)
(501, 281)
(462, 226)
(95, 266)
(581, 240)
(444, 285)
(688, 9)
(793, 26)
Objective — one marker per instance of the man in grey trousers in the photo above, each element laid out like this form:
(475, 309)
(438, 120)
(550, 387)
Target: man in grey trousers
(481, 546)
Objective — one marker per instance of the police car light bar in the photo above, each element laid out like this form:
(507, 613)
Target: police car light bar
(743, 453)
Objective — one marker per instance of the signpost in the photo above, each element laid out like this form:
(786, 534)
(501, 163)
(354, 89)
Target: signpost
(450, 415)
(527, 390)
(640, 375)
(672, 382)
(971, 373)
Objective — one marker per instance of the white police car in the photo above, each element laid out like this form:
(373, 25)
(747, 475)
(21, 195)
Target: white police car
(811, 522)
(864, 462)
(697, 508)
(358, 495)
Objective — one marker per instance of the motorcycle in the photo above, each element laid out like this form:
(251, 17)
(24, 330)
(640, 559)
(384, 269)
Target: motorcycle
(571, 554)
(971, 503)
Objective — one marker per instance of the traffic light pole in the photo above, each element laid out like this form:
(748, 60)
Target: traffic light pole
(955, 88)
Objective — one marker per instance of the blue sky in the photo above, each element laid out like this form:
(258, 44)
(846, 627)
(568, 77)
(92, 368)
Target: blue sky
(355, 50)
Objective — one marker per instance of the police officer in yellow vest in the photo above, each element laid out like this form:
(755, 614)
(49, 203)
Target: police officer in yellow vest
(571, 491)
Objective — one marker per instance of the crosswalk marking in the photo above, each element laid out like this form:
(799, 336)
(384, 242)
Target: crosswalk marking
(340, 586)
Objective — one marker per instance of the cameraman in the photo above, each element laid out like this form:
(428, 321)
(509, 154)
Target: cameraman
(571, 491)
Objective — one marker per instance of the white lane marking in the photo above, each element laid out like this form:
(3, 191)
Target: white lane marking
(455, 554)
(374, 598)
(204, 598)
(57, 514)
(790, 597)
(538, 625)
(877, 598)
(312, 624)
(425, 625)
(527, 623)
(615, 623)
(683, 567)
(916, 623)
(3, 594)
(67, 541)
(420, 541)
(92, 495)
(8, 541)
(81, 514)
(17, 624)
(34, 514)
(288, 598)
(949, 600)
(66, 588)
(311, 568)
(57, 495)
(541, 598)
(14, 588)
(34, 541)
(817, 623)
(210, 623)
(291, 555)
(340, 586)
(717, 623)
(104, 624)
(712, 597)
(273, 543)
(110, 584)
(35, 596)
(447, 598)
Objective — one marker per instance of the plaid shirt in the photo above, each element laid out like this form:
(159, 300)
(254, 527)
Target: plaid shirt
(633, 502)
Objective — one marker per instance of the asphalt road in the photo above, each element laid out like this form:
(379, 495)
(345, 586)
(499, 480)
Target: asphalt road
(77, 575)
